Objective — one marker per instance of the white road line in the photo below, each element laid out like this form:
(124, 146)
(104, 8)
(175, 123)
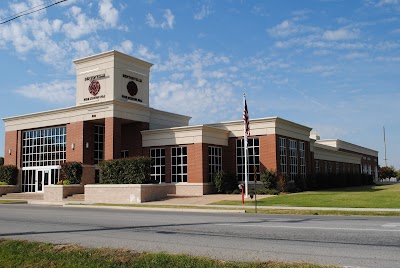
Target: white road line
(307, 227)
(391, 225)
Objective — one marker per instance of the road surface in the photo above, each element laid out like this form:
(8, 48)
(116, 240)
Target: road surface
(331, 240)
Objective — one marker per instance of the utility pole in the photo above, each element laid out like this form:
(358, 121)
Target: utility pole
(384, 142)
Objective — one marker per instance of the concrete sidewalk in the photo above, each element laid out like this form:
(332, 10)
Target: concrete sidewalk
(201, 204)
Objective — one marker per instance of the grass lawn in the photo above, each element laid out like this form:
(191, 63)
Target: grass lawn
(12, 201)
(32, 254)
(385, 196)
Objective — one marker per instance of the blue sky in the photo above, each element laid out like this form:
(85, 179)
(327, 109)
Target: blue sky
(333, 65)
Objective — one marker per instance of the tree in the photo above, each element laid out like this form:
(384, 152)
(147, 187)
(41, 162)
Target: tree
(387, 172)
(1, 161)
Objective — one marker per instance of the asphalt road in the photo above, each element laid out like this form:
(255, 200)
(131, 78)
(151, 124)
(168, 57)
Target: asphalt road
(344, 241)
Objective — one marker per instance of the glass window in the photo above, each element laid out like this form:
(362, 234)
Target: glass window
(214, 161)
(283, 155)
(179, 164)
(253, 159)
(302, 159)
(158, 164)
(293, 159)
(98, 143)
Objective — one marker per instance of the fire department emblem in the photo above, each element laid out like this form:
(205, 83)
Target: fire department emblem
(94, 87)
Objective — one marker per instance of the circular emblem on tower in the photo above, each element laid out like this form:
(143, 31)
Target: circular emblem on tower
(94, 87)
(132, 88)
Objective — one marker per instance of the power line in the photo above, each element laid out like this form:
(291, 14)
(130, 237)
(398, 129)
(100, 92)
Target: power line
(31, 10)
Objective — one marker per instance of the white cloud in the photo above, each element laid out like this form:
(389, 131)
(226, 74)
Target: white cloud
(56, 91)
(82, 48)
(125, 47)
(340, 34)
(108, 13)
(204, 12)
(288, 28)
(387, 2)
(82, 26)
(167, 23)
(356, 55)
(321, 69)
(144, 53)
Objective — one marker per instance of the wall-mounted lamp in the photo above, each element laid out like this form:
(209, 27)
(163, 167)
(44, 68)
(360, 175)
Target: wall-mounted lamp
(9, 151)
(87, 145)
(73, 146)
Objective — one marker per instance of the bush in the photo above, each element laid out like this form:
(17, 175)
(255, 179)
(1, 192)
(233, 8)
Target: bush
(1, 161)
(299, 183)
(269, 179)
(268, 191)
(3, 183)
(71, 171)
(9, 174)
(282, 179)
(64, 182)
(134, 170)
(224, 182)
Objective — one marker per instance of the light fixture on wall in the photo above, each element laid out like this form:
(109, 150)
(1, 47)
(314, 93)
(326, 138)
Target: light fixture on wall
(87, 145)
(73, 146)
(9, 151)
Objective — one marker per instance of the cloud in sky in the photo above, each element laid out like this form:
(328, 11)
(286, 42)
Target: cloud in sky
(341, 34)
(167, 23)
(56, 91)
(205, 11)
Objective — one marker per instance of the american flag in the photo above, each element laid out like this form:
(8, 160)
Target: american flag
(246, 120)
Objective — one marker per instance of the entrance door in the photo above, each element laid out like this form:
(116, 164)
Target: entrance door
(42, 179)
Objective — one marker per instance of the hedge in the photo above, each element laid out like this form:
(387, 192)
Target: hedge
(71, 171)
(9, 174)
(134, 170)
(324, 181)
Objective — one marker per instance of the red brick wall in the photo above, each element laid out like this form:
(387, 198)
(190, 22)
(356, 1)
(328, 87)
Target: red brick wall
(229, 156)
(268, 151)
(88, 137)
(11, 142)
(112, 138)
(132, 138)
(195, 163)
(75, 136)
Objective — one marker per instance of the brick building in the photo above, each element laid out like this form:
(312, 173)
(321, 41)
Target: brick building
(112, 119)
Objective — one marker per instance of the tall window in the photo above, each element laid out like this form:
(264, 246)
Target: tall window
(302, 159)
(330, 167)
(158, 167)
(43, 147)
(293, 159)
(179, 164)
(214, 161)
(337, 167)
(253, 158)
(317, 168)
(98, 143)
(282, 155)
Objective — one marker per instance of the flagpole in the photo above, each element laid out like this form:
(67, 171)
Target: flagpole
(245, 153)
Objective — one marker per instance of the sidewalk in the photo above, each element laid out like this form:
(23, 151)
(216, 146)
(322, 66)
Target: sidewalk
(200, 204)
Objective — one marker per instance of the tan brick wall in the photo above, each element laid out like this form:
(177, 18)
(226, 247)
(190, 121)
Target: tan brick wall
(11, 142)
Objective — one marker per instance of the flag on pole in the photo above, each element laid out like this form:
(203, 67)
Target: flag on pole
(246, 120)
(246, 134)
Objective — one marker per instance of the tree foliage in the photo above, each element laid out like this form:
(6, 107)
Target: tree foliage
(387, 172)
(134, 170)
(1, 161)
(9, 174)
(71, 171)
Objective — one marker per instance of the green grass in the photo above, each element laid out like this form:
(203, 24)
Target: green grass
(32, 254)
(9, 201)
(385, 196)
(264, 210)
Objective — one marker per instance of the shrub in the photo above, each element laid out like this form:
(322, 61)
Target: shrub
(282, 179)
(134, 170)
(267, 191)
(9, 174)
(64, 182)
(3, 183)
(1, 161)
(71, 171)
(299, 183)
(269, 179)
(224, 182)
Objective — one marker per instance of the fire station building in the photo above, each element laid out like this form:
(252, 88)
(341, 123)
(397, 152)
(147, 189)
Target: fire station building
(112, 119)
